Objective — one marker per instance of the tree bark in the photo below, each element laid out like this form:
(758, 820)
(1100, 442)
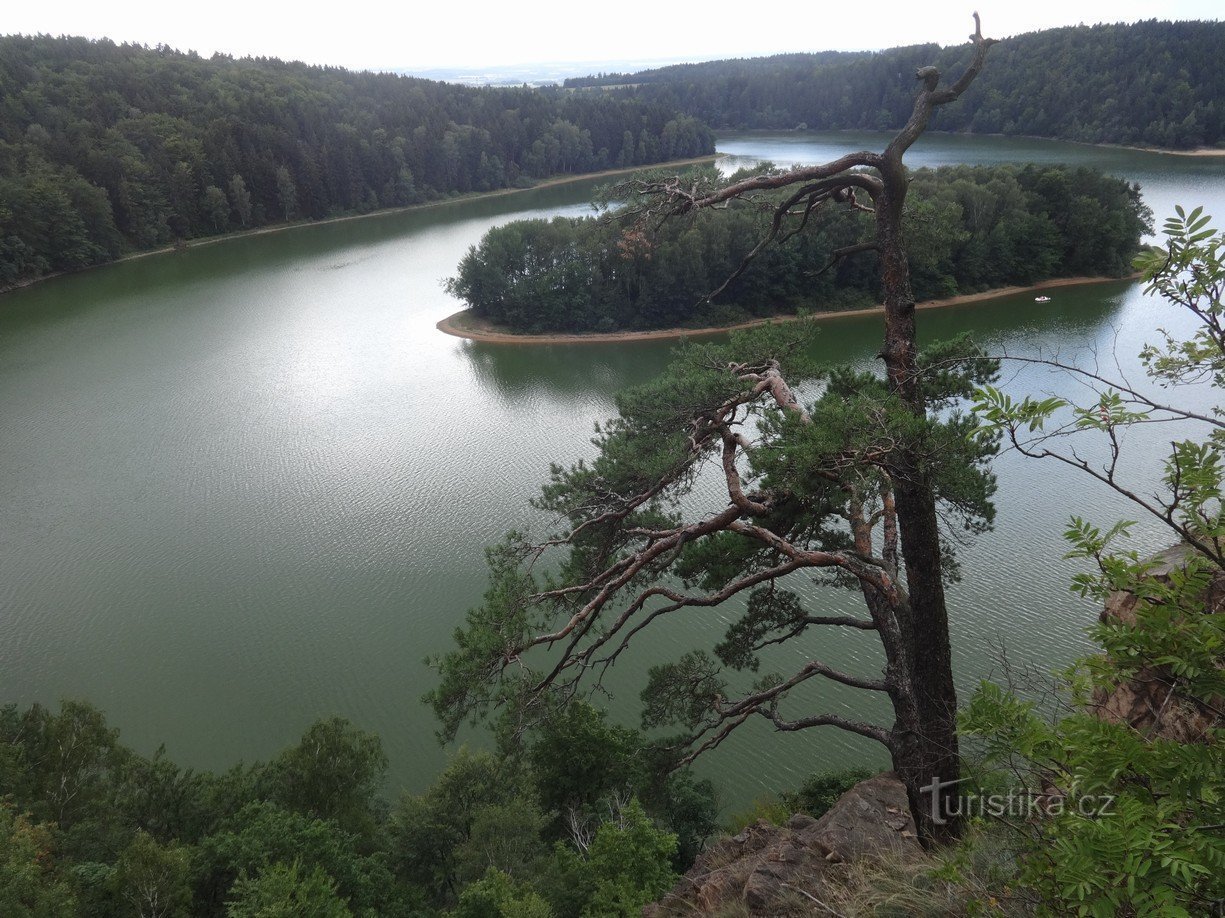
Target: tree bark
(925, 747)
(912, 622)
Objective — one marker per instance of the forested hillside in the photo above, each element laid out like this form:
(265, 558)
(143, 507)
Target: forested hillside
(106, 148)
(91, 828)
(1151, 83)
(969, 228)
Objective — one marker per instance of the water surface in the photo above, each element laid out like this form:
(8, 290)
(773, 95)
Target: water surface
(248, 485)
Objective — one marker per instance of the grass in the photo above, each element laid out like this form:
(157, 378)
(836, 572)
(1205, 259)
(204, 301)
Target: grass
(973, 878)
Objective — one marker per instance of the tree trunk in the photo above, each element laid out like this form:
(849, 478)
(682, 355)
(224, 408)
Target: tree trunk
(926, 746)
(915, 634)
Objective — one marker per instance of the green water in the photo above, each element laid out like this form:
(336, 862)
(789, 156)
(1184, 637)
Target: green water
(247, 485)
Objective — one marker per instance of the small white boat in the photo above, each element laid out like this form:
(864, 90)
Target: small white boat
(1042, 299)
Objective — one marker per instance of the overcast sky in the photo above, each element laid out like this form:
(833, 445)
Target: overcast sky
(364, 34)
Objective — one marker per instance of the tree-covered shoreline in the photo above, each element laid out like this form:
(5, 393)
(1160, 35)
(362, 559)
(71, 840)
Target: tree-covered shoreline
(1151, 83)
(239, 234)
(110, 149)
(971, 228)
(463, 324)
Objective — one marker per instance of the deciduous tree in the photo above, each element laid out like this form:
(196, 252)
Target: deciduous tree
(240, 198)
(1138, 801)
(286, 191)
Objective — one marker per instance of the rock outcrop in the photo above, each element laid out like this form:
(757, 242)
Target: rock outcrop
(1146, 702)
(772, 870)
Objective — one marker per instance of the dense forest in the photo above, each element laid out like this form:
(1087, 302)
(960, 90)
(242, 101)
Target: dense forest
(970, 228)
(108, 148)
(584, 819)
(1150, 83)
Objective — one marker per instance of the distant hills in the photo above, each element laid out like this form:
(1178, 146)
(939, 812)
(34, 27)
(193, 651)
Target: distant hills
(544, 73)
(106, 149)
(1150, 83)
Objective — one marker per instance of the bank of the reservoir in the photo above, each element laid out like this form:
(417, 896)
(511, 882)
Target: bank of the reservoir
(1194, 152)
(299, 224)
(463, 324)
(218, 521)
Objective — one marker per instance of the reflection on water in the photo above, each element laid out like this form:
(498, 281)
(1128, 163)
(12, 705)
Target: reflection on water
(559, 371)
(249, 484)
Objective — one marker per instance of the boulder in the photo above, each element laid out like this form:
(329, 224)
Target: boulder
(1145, 702)
(768, 869)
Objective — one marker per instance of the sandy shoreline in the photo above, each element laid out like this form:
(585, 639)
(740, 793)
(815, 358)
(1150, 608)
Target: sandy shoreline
(299, 224)
(457, 325)
(1207, 152)
(1199, 151)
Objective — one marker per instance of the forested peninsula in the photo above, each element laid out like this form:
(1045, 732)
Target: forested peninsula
(107, 149)
(969, 228)
(1151, 83)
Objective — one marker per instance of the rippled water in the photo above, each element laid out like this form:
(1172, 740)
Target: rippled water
(248, 485)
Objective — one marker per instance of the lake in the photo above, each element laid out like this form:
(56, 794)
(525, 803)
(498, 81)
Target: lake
(247, 485)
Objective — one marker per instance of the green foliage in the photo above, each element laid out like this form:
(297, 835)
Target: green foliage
(263, 833)
(154, 879)
(686, 806)
(125, 822)
(579, 759)
(106, 148)
(820, 791)
(629, 862)
(216, 207)
(1152, 82)
(493, 631)
(286, 891)
(1189, 273)
(53, 220)
(1134, 814)
(770, 809)
(30, 884)
(504, 837)
(681, 692)
(168, 802)
(1131, 828)
(437, 834)
(767, 611)
(286, 192)
(334, 773)
(240, 199)
(818, 468)
(63, 768)
(477, 841)
(582, 765)
(646, 441)
(967, 228)
(496, 895)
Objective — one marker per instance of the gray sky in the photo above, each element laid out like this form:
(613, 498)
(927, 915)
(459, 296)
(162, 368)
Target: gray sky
(473, 33)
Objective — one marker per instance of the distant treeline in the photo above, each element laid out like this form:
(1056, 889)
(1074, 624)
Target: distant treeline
(108, 148)
(969, 228)
(1151, 83)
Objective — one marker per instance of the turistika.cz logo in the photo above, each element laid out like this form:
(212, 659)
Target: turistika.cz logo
(1020, 803)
